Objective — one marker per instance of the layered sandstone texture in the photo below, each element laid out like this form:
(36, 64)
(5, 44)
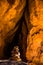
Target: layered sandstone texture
(10, 13)
(34, 52)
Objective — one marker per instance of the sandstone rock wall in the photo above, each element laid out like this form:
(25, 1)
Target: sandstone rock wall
(10, 13)
(35, 37)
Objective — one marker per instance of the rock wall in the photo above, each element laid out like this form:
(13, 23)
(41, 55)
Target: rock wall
(11, 12)
(34, 52)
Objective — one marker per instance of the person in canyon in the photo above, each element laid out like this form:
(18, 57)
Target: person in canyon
(12, 27)
(21, 23)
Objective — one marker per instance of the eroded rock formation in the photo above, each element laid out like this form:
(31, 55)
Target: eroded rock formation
(15, 21)
(11, 12)
(34, 52)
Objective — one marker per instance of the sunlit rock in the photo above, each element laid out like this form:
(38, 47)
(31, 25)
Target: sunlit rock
(36, 12)
(10, 14)
(35, 45)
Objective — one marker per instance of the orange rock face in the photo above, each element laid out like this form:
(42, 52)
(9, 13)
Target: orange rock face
(34, 46)
(35, 37)
(36, 13)
(9, 17)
